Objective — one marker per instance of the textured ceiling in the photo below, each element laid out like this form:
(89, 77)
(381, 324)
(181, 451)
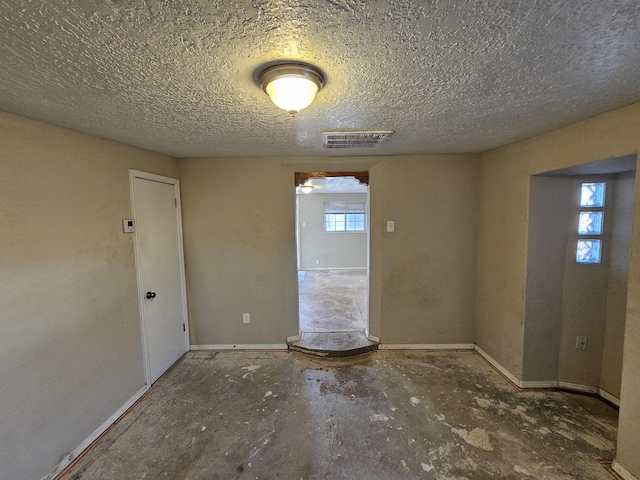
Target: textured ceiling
(446, 75)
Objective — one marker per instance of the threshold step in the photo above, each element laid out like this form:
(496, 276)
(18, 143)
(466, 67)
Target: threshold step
(333, 344)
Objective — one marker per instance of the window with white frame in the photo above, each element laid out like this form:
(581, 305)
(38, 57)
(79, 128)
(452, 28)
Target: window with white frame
(591, 222)
(345, 217)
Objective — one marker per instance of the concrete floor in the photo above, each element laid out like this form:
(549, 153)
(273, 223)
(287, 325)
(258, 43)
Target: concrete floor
(333, 311)
(384, 415)
(333, 301)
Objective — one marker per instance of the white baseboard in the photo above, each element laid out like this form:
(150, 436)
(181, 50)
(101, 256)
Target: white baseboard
(607, 396)
(532, 384)
(373, 338)
(332, 268)
(241, 346)
(295, 338)
(75, 453)
(574, 387)
(426, 346)
(623, 472)
(512, 378)
(578, 387)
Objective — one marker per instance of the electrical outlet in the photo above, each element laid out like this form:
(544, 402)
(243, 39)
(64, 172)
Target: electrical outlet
(246, 318)
(581, 343)
(317, 262)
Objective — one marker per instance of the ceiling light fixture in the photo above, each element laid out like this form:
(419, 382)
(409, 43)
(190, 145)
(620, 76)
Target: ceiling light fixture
(306, 188)
(291, 86)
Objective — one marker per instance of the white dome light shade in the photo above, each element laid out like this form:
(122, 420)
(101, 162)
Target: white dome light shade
(291, 87)
(292, 94)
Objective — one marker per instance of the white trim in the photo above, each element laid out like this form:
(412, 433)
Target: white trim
(607, 396)
(426, 346)
(574, 387)
(373, 338)
(623, 472)
(136, 248)
(75, 453)
(133, 174)
(241, 346)
(538, 384)
(295, 338)
(183, 271)
(333, 268)
(512, 378)
(578, 387)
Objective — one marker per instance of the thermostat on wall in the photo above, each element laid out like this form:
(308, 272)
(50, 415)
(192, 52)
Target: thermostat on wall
(128, 225)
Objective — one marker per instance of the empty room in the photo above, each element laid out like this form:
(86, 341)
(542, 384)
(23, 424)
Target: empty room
(478, 162)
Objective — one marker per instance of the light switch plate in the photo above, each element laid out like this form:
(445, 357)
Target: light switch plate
(128, 225)
(391, 226)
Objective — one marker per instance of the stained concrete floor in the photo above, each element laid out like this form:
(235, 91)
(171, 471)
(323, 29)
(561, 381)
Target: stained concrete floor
(384, 415)
(333, 311)
(333, 301)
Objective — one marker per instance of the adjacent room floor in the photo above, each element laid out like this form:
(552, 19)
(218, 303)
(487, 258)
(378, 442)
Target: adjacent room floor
(333, 310)
(333, 300)
(384, 415)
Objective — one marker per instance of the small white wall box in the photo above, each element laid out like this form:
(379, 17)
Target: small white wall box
(128, 225)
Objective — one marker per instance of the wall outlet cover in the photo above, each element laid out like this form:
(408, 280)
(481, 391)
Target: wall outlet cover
(581, 343)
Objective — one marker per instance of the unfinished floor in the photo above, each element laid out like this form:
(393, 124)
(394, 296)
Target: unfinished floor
(384, 415)
(333, 300)
(333, 311)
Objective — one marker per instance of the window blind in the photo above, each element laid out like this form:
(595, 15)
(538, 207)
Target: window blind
(345, 207)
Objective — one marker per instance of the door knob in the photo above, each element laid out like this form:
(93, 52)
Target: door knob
(151, 295)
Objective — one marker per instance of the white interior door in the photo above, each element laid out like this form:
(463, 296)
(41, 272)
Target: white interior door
(160, 267)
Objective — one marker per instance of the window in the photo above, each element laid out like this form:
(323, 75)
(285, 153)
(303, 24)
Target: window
(592, 194)
(590, 222)
(344, 217)
(588, 251)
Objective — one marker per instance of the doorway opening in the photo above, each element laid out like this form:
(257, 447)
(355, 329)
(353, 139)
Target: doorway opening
(332, 236)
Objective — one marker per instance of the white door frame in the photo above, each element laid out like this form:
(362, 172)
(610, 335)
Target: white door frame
(133, 174)
(299, 262)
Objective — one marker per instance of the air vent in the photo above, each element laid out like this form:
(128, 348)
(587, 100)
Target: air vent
(355, 139)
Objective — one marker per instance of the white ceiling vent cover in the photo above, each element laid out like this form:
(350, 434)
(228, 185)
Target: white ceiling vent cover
(355, 139)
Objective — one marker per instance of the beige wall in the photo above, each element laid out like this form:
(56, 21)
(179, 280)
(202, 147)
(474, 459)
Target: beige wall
(584, 298)
(70, 349)
(547, 241)
(565, 299)
(502, 247)
(423, 275)
(629, 419)
(620, 237)
(334, 250)
(240, 252)
(239, 230)
(70, 353)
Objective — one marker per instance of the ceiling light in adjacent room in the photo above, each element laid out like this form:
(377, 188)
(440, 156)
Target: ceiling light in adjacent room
(306, 188)
(291, 86)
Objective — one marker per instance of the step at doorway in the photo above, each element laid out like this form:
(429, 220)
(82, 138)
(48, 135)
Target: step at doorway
(333, 313)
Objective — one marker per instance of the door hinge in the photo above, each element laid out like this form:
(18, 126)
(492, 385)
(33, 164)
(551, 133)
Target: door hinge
(175, 201)
(184, 329)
